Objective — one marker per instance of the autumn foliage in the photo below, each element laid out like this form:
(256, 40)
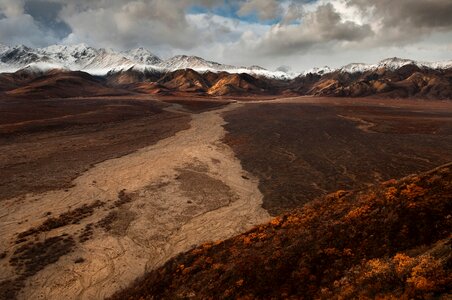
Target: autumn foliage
(391, 241)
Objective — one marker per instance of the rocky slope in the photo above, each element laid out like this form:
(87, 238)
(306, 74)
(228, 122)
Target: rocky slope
(391, 240)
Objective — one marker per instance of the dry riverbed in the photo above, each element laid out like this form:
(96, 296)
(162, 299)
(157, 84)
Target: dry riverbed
(127, 215)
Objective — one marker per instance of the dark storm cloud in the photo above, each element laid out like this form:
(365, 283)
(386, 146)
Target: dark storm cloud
(19, 27)
(431, 14)
(405, 21)
(46, 14)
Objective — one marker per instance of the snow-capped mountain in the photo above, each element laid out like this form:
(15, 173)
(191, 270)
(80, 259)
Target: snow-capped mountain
(319, 71)
(101, 61)
(193, 62)
(74, 57)
(356, 67)
(18, 55)
(392, 64)
(3, 48)
(201, 65)
(142, 55)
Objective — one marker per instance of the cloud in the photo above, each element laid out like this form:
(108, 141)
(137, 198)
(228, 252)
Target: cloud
(265, 9)
(405, 21)
(321, 27)
(18, 27)
(12, 8)
(296, 33)
(132, 23)
(22, 29)
(159, 24)
(46, 14)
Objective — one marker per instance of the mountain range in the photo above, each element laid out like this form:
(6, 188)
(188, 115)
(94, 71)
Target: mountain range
(40, 71)
(101, 61)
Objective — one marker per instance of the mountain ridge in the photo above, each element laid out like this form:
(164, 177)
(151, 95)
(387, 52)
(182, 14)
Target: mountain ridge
(100, 61)
(82, 57)
(139, 70)
(409, 81)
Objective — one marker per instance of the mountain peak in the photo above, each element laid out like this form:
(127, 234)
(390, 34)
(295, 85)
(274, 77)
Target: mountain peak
(393, 63)
(255, 67)
(188, 58)
(4, 48)
(142, 56)
(191, 62)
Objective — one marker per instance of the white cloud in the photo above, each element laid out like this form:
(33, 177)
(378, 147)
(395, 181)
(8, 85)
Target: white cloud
(310, 33)
(12, 8)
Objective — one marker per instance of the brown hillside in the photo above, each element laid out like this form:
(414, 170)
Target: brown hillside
(148, 88)
(186, 80)
(131, 76)
(9, 81)
(390, 241)
(408, 81)
(235, 84)
(61, 84)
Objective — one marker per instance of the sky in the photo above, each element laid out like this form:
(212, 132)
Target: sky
(288, 34)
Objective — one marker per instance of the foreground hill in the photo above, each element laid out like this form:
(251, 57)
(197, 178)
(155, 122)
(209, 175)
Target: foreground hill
(391, 240)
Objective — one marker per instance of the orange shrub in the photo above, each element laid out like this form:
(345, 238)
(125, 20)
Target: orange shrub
(357, 212)
(412, 191)
(276, 221)
(391, 194)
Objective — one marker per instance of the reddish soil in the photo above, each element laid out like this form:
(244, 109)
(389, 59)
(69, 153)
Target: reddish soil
(309, 147)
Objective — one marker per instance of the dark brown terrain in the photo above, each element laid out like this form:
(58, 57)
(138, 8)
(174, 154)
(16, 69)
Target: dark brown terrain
(390, 241)
(301, 151)
(46, 143)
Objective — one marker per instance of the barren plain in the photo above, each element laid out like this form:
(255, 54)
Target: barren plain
(96, 191)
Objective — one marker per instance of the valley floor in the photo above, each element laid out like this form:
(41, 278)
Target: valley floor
(98, 191)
